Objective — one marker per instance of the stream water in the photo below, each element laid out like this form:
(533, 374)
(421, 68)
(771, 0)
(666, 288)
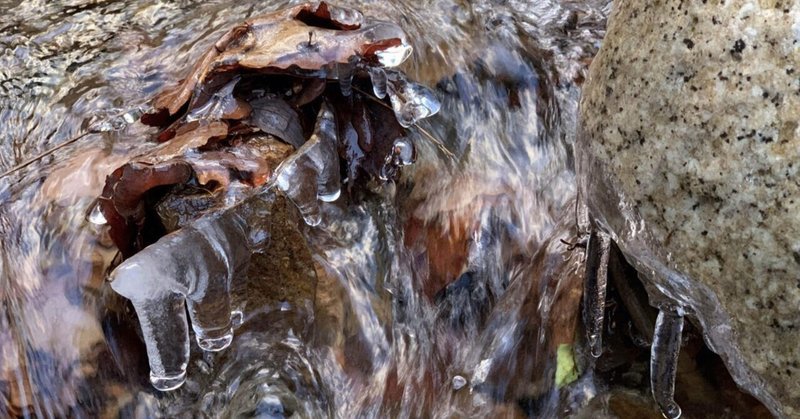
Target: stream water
(447, 295)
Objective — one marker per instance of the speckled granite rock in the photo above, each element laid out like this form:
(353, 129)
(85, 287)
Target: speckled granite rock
(690, 118)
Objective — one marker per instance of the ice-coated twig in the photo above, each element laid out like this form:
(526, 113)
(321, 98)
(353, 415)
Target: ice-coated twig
(664, 359)
(594, 290)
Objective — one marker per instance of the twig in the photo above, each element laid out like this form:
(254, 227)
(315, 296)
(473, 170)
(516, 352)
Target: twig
(94, 129)
(44, 154)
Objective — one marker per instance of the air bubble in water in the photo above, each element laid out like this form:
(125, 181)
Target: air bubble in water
(459, 382)
(96, 216)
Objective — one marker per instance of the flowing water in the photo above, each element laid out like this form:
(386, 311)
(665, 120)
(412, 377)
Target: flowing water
(448, 294)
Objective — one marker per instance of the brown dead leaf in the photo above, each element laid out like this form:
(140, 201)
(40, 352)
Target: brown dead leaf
(122, 201)
(188, 137)
(305, 37)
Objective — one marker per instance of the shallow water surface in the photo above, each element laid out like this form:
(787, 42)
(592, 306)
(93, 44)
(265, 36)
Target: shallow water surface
(449, 293)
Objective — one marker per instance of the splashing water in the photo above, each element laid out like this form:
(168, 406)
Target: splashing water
(446, 294)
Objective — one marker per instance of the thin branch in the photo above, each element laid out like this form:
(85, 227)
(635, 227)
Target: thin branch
(94, 129)
(44, 154)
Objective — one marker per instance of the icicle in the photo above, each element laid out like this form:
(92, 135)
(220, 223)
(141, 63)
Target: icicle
(312, 174)
(664, 359)
(195, 264)
(344, 72)
(594, 291)
(411, 102)
(378, 78)
(403, 153)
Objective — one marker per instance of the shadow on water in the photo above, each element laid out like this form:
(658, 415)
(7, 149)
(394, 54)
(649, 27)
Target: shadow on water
(454, 292)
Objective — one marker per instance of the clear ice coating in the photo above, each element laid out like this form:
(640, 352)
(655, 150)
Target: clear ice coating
(378, 78)
(349, 17)
(594, 291)
(276, 117)
(394, 56)
(195, 266)
(664, 359)
(219, 104)
(402, 154)
(311, 174)
(391, 56)
(118, 122)
(411, 102)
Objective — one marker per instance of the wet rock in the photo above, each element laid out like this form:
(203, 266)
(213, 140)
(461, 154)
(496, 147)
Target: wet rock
(690, 114)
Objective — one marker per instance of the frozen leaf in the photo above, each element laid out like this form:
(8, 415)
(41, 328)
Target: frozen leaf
(123, 203)
(137, 184)
(304, 39)
(189, 137)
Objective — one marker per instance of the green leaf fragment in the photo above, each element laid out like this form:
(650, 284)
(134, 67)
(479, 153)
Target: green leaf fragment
(565, 366)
